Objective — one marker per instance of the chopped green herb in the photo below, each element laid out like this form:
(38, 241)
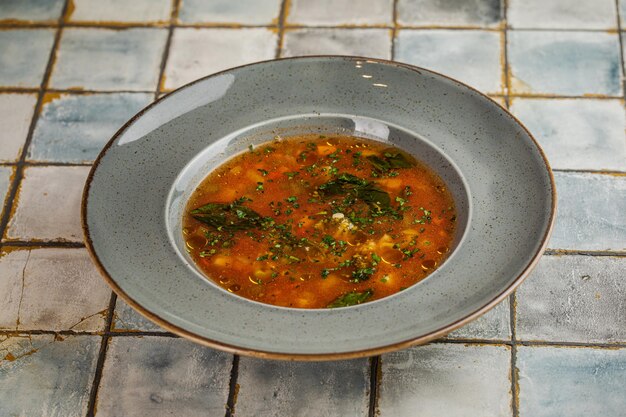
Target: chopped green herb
(351, 299)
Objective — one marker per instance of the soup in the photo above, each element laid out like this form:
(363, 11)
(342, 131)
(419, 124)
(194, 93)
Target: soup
(319, 221)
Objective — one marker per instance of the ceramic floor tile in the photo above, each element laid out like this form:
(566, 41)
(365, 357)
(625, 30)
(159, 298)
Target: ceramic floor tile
(49, 193)
(450, 380)
(11, 268)
(106, 59)
(622, 13)
(571, 382)
(41, 375)
(52, 289)
(24, 54)
(30, 10)
(16, 112)
(375, 43)
(144, 11)
(258, 12)
(457, 13)
(577, 134)
(574, 299)
(590, 212)
(74, 128)
(127, 319)
(494, 325)
(5, 183)
(196, 53)
(562, 14)
(321, 389)
(340, 12)
(472, 56)
(564, 63)
(163, 376)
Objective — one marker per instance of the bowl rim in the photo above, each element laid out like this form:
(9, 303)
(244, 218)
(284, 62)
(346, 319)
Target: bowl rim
(316, 356)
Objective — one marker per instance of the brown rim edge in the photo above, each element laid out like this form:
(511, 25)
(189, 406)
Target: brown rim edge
(325, 356)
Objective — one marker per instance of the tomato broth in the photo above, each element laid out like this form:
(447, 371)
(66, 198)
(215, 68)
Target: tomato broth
(318, 221)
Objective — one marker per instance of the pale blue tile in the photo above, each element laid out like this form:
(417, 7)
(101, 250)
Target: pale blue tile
(571, 382)
(258, 12)
(470, 56)
(340, 12)
(163, 376)
(622, 13)
(443, 379)
(574, 299)
(31, 10)
(562, 14)
(299, 389)
(493, 325)
(41, 375)
(127, 319)
(564, 63)
(590, 214)
(24, 54)
(375, 43)
(577, 134)
(456, 13)
(5, 182)
(74, 128)
(106, 59)
(16, 113)
(135, 11)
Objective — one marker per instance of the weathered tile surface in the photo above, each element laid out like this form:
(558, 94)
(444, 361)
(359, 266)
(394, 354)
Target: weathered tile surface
(577, 134)
(5, 182)
(446, 380)
(470, 56)
(11, 284)
(106, 59)
(148, 11)
(590, 212)
(16, 112)
(258, 12)
(127, 319)
(575, 299)
(494, 325)
(571, 382)
(30, 10)
(196, 53)
(375, 43)
(48, 207)
(562, 14)
(340, 12)
(564, 63)
(74, 128)
(298, 389)
(163, 376)
(41, 376)
(463, 13)
(24, 54)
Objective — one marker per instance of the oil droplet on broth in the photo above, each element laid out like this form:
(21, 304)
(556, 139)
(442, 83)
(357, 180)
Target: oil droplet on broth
(428, 264)
(196, 242)
(234, 288)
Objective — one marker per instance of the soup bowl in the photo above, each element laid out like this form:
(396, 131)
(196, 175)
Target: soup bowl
(138, 188)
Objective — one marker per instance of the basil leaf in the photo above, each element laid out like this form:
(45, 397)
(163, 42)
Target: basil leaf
(351, 299)
(227, 216)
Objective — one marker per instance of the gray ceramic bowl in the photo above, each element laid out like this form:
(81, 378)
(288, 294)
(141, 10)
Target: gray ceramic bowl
(140, 183)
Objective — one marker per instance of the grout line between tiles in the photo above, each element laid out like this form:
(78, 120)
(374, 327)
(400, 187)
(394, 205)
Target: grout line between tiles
(282, 16)
(621, 45)
(233, 388)
(9, 202)
(104, 345)
(43, 244)
(375, 372)
(571, 252)
(394, 29)
(167, 47)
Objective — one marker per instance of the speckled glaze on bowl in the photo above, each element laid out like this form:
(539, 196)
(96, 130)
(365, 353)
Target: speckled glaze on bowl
(139, 184)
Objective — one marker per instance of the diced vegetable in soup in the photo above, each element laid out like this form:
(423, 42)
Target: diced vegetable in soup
(316, 222)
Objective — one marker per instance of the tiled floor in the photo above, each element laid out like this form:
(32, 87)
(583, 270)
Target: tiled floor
(73, 71)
